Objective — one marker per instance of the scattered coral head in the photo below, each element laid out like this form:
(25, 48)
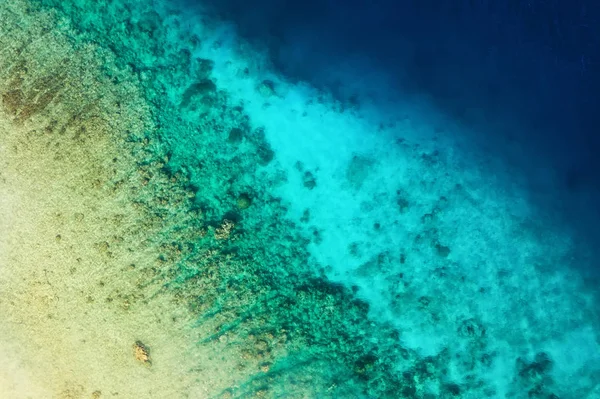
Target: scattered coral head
(141, 352)
(224, 230)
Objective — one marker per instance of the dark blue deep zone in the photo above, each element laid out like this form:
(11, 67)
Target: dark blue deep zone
(531, 69)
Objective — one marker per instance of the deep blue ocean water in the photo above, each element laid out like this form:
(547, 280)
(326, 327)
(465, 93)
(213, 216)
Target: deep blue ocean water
(516, 71)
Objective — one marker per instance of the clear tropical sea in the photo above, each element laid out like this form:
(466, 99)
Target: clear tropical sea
(178, 219)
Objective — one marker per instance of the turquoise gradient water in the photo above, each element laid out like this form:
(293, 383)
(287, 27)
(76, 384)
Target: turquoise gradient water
(356, 253)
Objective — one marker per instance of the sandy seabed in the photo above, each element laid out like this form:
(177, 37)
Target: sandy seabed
(75, 318)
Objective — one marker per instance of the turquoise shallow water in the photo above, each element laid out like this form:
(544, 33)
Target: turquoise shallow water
(349, 253)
